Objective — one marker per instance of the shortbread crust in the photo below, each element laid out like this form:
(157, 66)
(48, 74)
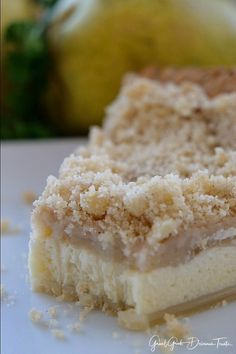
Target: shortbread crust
(152, 198)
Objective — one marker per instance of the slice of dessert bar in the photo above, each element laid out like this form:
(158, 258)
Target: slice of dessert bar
(143, 219)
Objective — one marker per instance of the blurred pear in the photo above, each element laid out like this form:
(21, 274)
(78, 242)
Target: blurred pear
(95, 42)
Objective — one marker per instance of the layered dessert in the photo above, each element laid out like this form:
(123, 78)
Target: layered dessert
(142, 220)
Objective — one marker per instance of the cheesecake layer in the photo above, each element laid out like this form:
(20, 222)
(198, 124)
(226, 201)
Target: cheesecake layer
(59, 268)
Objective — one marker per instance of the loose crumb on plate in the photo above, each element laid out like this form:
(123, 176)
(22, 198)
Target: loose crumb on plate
(174, 328)
(6, 297)
(7, 228)
(29, 197)
(222, 303)
(58, 333)
(52, 311)
(36, 316)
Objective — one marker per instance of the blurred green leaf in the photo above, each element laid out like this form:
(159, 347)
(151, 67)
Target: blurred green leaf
(17, 32)
(26, 72)
(26, 67)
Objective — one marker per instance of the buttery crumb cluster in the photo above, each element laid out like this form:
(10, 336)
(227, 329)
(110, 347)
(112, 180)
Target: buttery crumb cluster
(164, 161)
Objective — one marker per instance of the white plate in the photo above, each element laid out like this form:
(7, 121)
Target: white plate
(25, 167)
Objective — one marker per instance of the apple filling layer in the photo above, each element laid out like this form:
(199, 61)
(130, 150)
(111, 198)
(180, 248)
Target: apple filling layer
(142, 256)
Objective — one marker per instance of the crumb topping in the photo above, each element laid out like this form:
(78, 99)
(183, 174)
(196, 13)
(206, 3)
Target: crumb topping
(214, 80)
(164, 162)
